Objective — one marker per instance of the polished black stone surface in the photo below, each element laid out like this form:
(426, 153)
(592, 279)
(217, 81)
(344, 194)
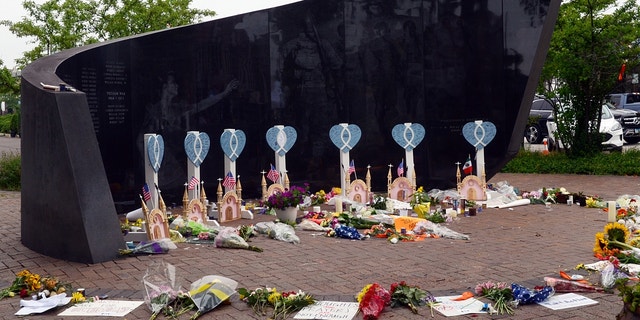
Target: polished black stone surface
(311, 65)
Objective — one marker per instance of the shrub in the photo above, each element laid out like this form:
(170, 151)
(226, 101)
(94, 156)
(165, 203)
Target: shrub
(10, 168)
(614, 163)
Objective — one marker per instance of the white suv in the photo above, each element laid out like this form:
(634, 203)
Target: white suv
(609, 127)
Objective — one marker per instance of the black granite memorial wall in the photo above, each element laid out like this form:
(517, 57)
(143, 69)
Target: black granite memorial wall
(311, 65)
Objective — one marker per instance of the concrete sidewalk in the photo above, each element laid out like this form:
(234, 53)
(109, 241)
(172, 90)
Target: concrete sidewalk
(521, 245)
(8, 144)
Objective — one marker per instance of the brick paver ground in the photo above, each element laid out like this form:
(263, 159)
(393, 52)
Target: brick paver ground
(520, 245)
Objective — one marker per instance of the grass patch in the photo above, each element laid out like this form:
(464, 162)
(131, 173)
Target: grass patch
(613, 163)
(10, 168)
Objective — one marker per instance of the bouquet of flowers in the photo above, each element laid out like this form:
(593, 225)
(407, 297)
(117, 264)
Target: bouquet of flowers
(160, 287)
(291, 197)
(500, 293)
(372, 299)
(283, 303)
(24, 284)
(318, 198)
(403, 294)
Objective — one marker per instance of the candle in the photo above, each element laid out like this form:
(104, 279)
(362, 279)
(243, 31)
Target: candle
(338, 205)
(612, 212)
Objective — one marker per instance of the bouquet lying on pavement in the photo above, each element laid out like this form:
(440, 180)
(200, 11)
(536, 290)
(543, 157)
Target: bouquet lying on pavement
(229, 238)
(151, 247)
(160, 287)
(501, 295)
(371, 301)
(210, 291)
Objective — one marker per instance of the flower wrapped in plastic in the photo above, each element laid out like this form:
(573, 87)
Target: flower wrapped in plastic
(210, 291)
(371, 301)
(279, 231)
(151, 247)
(229, 238)
(160, 287)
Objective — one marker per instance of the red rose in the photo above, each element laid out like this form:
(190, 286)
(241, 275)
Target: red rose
(24, 293)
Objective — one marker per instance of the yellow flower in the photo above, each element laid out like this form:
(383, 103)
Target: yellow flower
(635, 242)
(363, 292)
(77, 297)
(591, 202)
(601, 244)
(616, 231)
(336, 190)
(274, 297)
(23, 273)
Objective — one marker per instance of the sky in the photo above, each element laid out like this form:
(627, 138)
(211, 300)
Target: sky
(12, 47)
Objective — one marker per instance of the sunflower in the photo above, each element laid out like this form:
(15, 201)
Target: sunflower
(601, 244)
(616, 232)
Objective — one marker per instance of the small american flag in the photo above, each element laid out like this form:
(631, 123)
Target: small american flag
(146, 195)
(229, 181)
(401, 168)
(352, 167)
(273, 174)
(193, 183)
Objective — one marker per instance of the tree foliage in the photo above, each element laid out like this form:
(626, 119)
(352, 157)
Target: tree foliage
(590, 42)
(56, 25)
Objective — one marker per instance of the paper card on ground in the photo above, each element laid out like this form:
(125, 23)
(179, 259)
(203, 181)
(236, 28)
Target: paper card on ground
(567, 300)
(329, 310)
(450, 308)
(104, 308)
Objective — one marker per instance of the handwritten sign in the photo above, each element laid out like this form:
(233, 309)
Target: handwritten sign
(449, 307)
(565, 301)
(108, 308)
(329, 310)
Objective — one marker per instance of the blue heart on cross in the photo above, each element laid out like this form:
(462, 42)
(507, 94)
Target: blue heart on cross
(479, 134)
(345, 136)
(232, 143)
(281, 138)
(155, 151)
(408, 135)
(196, 146)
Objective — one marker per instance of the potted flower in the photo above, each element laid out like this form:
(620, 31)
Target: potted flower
(285, 204)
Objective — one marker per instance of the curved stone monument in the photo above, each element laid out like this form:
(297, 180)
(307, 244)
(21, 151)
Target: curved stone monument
(310, 65)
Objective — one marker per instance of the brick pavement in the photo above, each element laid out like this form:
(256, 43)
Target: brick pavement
(521, 245)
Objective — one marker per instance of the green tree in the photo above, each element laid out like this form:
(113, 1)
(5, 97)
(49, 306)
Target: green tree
(9, 85)
(57, 25)
(590, 42)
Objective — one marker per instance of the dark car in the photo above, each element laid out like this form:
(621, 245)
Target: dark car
(536, 129)
(630, 121)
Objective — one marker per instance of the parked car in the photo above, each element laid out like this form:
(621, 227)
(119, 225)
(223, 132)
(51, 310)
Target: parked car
(630, 121)
(536, 129)
(610, 128)
(630, 100)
